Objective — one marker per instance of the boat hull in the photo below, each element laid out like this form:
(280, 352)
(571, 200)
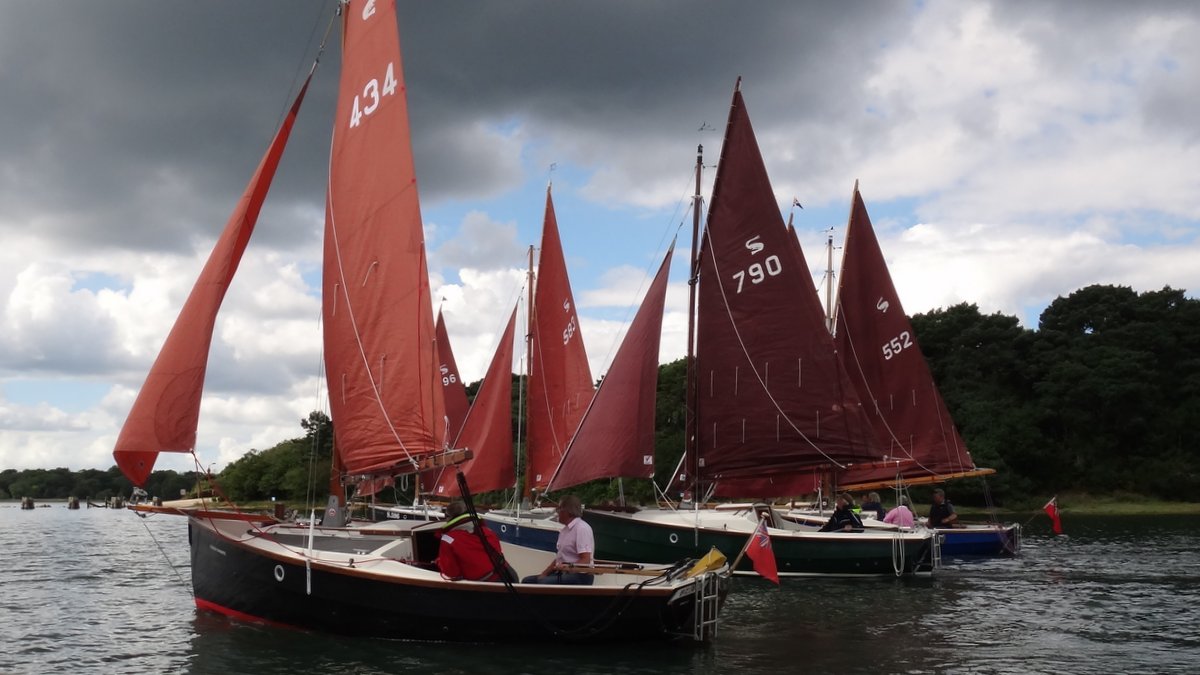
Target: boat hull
(623, 536)
(238, 578)
(536, 533)
(981, 541)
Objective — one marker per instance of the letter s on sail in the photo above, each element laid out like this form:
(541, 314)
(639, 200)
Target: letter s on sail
(882, 305)
(368, 10)
(754, 245)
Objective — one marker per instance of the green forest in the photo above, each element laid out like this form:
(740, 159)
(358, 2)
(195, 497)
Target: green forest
(1103, 398)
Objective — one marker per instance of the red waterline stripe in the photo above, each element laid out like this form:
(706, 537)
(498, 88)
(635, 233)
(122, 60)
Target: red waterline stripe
(240, 616)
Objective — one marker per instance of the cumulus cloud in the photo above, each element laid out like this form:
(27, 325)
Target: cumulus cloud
(1010, 152)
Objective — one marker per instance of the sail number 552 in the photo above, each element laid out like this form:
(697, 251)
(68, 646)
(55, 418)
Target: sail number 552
(368, 101)
(896, 345)
(759, 271)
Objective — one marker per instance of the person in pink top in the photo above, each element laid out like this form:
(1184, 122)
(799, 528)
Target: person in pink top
(900, 516)
(576, 546)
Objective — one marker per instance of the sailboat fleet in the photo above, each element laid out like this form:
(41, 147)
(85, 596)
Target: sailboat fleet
(777, 403)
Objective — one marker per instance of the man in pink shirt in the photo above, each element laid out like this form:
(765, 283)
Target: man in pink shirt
(576, 545)
(900, 516)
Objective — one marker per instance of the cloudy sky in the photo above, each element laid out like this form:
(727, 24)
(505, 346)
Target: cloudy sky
(1009, 153)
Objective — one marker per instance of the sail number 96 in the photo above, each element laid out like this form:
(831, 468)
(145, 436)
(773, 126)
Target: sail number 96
(896, 345)
(759, 271)
(368, 101)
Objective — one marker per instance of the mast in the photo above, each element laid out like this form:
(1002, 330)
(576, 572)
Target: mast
(829, 323)
(522, 405)
(691, 398)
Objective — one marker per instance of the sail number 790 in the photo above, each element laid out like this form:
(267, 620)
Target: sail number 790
(368, 101)
(896, 345)
(759, 271)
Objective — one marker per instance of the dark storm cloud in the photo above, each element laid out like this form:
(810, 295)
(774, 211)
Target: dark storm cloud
(127, 124)
(133, 124)
(616, 78)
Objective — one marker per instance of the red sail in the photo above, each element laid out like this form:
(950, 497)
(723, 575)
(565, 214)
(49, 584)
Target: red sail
(380, 356)
(616, 436)
(560, 379)
(167, 410)
(880, 350)
(487, 432)
(772, 398)
(454, 392)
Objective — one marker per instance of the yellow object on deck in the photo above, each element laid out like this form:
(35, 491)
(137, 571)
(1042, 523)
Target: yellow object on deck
(712, 560)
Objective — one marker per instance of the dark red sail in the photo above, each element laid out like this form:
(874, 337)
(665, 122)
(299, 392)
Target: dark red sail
(616, 436)
(454, 391)
(772, 398)
(560, 379)
(487, 432)
(880, 350)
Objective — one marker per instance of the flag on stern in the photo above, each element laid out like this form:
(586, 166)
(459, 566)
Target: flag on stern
(761, 554)
(1051, 509)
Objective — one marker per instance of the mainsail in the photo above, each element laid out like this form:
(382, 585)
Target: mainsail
(880, 349)
(772, 399)
(166, 412)
(487, 432)
(381, 359)
(560, 379)
(616, 436)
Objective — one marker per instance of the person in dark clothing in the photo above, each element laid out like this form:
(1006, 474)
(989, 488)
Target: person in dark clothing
(871, 505)
(843, 519)
(461, 553)
(942, 514)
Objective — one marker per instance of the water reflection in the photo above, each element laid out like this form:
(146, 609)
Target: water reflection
(98, 591)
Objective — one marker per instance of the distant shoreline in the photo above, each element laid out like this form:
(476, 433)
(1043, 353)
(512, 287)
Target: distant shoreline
(1089, 505)
(1083, 505)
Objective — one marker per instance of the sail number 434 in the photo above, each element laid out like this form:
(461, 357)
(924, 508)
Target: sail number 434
(368, 102)
(896, 345)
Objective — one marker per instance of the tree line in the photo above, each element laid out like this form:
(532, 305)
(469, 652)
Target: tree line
(1102, 398)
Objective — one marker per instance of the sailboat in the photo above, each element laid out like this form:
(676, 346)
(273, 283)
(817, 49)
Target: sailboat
(389, 418)
(770, 400)
(921, 443)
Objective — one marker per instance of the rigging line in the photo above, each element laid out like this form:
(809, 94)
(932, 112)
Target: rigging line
(320, 403)
(143, 517)
(754, 368)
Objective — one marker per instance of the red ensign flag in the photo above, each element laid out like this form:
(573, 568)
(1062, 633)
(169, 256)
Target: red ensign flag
(1051, 509)
(761, 554)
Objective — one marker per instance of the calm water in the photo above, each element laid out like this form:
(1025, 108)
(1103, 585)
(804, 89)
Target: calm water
(99, 591)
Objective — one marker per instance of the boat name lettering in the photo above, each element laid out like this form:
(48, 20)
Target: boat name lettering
(371, 95)
(896, 345)
(759, 271)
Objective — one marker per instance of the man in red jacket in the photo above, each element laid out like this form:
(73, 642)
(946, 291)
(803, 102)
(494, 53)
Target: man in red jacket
(461, 554)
